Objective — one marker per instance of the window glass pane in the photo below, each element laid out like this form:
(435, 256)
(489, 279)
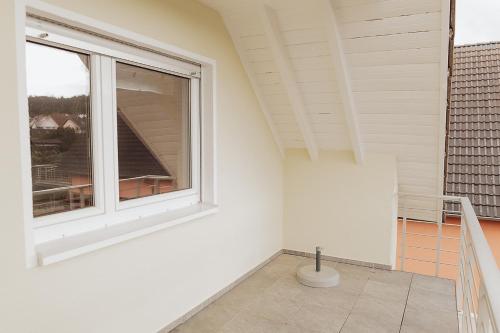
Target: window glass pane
(153, 132)
(58, 85)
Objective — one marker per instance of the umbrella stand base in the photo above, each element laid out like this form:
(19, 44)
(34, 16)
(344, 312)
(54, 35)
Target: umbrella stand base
(327, 277)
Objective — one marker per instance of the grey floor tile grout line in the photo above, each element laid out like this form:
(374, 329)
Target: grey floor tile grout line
(456, 303)
(247, 306)
(354, 305)
(406, 303)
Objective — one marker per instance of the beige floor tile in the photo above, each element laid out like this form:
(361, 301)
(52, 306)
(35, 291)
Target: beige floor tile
(386, 291)
(209, 320)
(372, 314)
(429, 283)
(430, 300)
(318, 318)
(251, 323)
(419, 320)
(330, 298)
(392, 277)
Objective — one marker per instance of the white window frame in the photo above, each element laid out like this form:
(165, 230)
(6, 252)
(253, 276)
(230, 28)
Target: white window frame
(190, 196)
(97, 145)
(143, 51)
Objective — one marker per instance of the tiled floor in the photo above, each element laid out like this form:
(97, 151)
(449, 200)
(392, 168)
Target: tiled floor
(367, 300)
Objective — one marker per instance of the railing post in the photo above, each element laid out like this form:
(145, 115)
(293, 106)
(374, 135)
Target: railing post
(82, 198)
(138, 187)
(438, 242)
(482, 319)
(459, 291)
(70, 194)
(157, 186)
(403, 237)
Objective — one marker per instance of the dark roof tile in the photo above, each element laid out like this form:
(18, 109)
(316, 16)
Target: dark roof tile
(474, 128)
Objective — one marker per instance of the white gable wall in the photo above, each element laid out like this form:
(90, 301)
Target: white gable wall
(349, 210)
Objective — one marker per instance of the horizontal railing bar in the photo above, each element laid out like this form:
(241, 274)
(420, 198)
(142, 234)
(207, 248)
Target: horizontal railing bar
(425, 209)
(60, 189)
(429, 235)
(431, 248)
(449, 212)
(430, 261)
(429, 222)
(432, 196)
(148, 177)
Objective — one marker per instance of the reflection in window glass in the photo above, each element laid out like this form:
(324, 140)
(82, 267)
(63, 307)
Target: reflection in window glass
(153, 132)
(58, 85)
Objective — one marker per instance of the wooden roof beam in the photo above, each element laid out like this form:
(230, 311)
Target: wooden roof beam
(280, 56)
(343, 79)
(253, 82)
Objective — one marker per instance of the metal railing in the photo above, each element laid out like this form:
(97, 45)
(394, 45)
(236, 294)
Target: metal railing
(478, 286)
(49, 173)
(49, 200)
(140, 184)
(430, 215)
(478, 277)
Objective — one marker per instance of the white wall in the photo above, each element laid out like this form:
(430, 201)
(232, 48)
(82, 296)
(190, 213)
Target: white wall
(346, 208)
(143, 284)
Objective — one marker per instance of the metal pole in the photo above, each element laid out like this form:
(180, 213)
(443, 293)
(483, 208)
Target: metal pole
(318, 258)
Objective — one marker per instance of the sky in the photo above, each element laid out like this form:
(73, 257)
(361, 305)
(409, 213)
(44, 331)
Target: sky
(54, 72)
(477, 21)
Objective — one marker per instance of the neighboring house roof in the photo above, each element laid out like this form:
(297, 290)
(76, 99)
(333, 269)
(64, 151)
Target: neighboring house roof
(135, 158)
(44, 121)
(73, 125)
(474, 128)
(56, 120)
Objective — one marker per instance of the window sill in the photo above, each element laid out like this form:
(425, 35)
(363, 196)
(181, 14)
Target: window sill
(69, 247)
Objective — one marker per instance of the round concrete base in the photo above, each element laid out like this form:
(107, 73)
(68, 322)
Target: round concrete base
(327, 277)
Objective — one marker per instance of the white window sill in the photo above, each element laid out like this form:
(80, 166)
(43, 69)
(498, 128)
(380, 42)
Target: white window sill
(69, 247)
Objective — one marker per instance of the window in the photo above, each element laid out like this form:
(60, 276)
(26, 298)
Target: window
(60, 132)
(153, 132)
(115, 130)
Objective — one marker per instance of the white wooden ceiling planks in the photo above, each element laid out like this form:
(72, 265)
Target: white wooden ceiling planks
(366, 76)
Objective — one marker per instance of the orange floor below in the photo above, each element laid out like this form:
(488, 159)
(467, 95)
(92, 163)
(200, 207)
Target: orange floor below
(426, 252)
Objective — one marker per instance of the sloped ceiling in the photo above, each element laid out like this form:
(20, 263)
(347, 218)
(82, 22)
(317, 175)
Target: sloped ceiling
(360, 75)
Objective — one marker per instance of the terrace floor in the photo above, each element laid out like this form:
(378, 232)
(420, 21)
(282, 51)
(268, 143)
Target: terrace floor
(367, 300)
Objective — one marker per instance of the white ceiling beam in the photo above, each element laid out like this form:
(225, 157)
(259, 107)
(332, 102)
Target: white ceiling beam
(253, 82)
(343, 78)
(277, 45)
